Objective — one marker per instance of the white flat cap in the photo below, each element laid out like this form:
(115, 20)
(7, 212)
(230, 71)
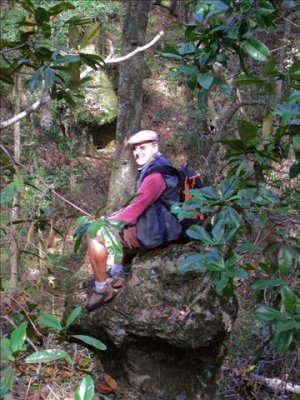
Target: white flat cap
(142, 136)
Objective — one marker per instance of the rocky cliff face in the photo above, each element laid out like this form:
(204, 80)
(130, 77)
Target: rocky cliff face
(165, 332)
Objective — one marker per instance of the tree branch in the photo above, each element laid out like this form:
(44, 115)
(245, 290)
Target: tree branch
(277, 384)
(134, 52)
(291, 22)
(108, 60)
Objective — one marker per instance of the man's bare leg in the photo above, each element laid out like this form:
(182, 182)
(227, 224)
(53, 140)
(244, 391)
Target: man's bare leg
(98, 256)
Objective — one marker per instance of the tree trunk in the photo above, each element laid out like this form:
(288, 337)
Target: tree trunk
(14, 258)
(130, 94)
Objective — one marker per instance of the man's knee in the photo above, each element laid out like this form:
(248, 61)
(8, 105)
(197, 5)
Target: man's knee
(96, 246)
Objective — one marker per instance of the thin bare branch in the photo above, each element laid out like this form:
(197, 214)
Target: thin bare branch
(291, 22)
(27, 315)
(23, 114)
(277, 384)
(134, 52)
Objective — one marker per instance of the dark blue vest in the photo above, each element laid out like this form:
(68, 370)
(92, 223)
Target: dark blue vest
(157, 225)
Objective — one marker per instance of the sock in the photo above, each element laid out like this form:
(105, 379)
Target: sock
(116, 270)
(100, 287)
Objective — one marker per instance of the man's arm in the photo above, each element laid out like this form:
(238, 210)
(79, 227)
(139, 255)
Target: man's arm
(150, 190)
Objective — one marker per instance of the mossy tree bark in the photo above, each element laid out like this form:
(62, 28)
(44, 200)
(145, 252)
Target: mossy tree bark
(130, 92)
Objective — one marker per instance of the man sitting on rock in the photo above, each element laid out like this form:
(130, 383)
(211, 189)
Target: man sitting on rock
(149, 222)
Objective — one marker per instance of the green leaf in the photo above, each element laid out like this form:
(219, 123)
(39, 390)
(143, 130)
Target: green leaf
(58, 8)
(46, 28)
(262, 219)
(192, 262)
(199, 233)
(289, 299)
(91, 341)
(209, 192)
(218, 231)
(86, 389)
(283, 340)
(245, 79)
(118, 225)
(82, 220)
(228, 187)
(74, 314)
(188, 70)
(8, 193)
(41, 15)
(79, 21)
(49, 77)
(262, 284)
(36, 80)
(90, 34)
(285, 325)
(231, 216)
(205, 80)
(78, 246)
(112, 242)
(269, 195)
(171, 55)
(294, 98)
(94, 227)
(50, 321)
(266, 313)
(248, 132)
(221, 284)
(294, 170)
(248, 247)
(7, 378)
(295, 67)
(186, 48)
(232, 261)
(47, 356)
(265, 8)
(6, 351)
(62, 94)
(237, 273)
(18, 337)
(285, 259)
(256, 49)
(202, 101)
(28, 6)
(92, 60)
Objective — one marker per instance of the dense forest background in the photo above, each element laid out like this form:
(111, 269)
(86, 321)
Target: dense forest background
(221, 87)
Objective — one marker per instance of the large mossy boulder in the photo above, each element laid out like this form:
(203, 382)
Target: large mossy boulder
(166, 333)
(97, 115)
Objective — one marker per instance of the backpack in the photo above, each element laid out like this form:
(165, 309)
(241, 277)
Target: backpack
(188, 179)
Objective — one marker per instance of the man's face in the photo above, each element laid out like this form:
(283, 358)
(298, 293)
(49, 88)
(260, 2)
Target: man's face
(144, 152)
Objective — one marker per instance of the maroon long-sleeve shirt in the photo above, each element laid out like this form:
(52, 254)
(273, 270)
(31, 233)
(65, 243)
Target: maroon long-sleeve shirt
(150, 190)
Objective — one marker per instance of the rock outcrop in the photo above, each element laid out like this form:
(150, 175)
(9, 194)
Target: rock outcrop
(165, 332)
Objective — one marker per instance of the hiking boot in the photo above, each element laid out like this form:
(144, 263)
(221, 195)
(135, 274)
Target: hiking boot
(116, 281)
(97, 299)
